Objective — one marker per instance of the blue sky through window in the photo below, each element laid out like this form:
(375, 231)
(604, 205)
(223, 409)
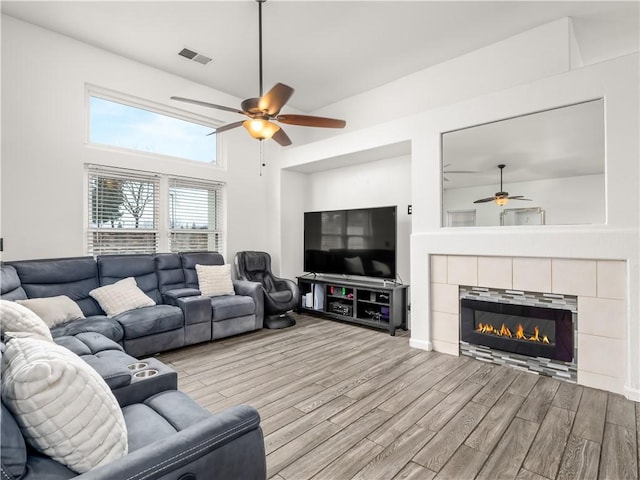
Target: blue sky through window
(120, 125)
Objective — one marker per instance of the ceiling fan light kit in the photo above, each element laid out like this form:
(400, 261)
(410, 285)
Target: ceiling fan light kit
(262, 110)
(502, 198)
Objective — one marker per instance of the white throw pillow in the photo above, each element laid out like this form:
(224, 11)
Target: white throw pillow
(121, 296)
(215, 280)
(16, 318)
(63, 406)
(53, 310)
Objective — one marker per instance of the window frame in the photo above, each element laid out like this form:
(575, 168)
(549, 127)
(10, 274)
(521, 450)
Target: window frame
(154, 107)
(162, 230)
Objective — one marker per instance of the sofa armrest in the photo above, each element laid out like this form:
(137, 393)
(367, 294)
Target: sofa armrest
(170, 296)
(255, 291)
(195, 307)
(226, 445)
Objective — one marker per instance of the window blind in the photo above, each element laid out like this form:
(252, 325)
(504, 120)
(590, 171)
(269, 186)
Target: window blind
(196, 215)
(123, 211)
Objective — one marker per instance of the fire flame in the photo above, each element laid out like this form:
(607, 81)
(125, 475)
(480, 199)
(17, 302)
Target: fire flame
(503, 331)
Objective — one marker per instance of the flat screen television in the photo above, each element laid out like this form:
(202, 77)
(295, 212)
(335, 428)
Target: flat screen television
(351, 242)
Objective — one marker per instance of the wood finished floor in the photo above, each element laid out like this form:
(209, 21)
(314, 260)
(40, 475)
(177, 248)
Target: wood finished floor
(340, 401)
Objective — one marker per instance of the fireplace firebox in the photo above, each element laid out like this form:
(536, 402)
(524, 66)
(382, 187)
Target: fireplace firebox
(522, 329)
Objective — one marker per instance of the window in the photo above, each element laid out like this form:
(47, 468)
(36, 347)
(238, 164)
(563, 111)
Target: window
(123, 211)
(195, 215)
(125, 208)
(118, 124)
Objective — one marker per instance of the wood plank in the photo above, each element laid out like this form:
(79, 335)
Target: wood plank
(523, 384)
(438, 417)
(401, 400)
(392, 459)
(483, 374)
(621, 412)
(581, 459)
(306, 442)
(440, 449)
(507, 457)
(590, 417)
(401, 422)
(527, 475)
(279, 420)
(311, 463)
(350, 462)
(496, 386)
(449, 383)
(546, 451)
(619, 453)
(568, 396)
(413, 471)
(485, 437)
(539, 400)
(296, 428)
(465, 463)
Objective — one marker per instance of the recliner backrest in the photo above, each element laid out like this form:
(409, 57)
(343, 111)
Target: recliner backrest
(113, 268)
(74, 277)
(10, 286)
(256, 267)
(170, 272)
(191, 259)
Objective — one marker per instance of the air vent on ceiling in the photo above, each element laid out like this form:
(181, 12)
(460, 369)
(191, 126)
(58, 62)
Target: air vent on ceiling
(195, 56)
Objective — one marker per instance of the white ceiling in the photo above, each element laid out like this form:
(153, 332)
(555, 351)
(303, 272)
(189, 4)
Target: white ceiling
(326, 50)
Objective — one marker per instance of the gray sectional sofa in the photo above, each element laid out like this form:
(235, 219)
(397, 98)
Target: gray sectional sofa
(169, 435)
(180, 317)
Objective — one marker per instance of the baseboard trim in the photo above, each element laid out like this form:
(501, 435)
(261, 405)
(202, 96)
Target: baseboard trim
(422, 345)
(632, 394)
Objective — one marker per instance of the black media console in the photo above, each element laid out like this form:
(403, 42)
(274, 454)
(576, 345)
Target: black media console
(373, 304)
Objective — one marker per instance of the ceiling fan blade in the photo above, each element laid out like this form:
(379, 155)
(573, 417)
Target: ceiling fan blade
(206, 104)
(282, 138)
(272, 101)
(459, 171)
(519, 197)
(226, 127)
(485, 200)
(309, 121)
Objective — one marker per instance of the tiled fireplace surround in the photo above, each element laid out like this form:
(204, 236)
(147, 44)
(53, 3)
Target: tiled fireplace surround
(600, 286)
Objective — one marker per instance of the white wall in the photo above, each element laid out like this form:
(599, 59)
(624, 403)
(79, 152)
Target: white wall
(43, 143)
(522, 87)
(373, 184)
(565, 201)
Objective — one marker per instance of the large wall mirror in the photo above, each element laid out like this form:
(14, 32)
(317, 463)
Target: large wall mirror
(553, 170)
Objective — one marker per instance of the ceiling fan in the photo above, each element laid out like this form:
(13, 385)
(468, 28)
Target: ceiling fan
(501, 198)
(262, 111)
(445, 172)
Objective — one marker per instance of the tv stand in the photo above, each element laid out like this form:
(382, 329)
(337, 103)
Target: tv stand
(372, 304)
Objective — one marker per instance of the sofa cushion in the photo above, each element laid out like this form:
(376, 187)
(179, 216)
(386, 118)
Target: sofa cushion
(215, 280)
(99, 324)
(121, 296)
(226, 307)
(65, 410)
(142, 267)
(13, 450)
(149, 320)
(53, 310)
(169, 272)
(160, 416)
(10, 287)
(16, 318)
(73, 277)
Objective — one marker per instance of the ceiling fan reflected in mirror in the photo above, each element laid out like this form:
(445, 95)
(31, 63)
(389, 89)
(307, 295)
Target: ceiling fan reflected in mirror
(445, 171)
(501, 198)
(265, 110)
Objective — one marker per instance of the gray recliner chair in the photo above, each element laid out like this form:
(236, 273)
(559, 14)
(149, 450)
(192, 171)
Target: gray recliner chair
(280, 294)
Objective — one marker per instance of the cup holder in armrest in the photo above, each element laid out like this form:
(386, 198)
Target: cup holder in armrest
(137, 366)
(146, 373)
